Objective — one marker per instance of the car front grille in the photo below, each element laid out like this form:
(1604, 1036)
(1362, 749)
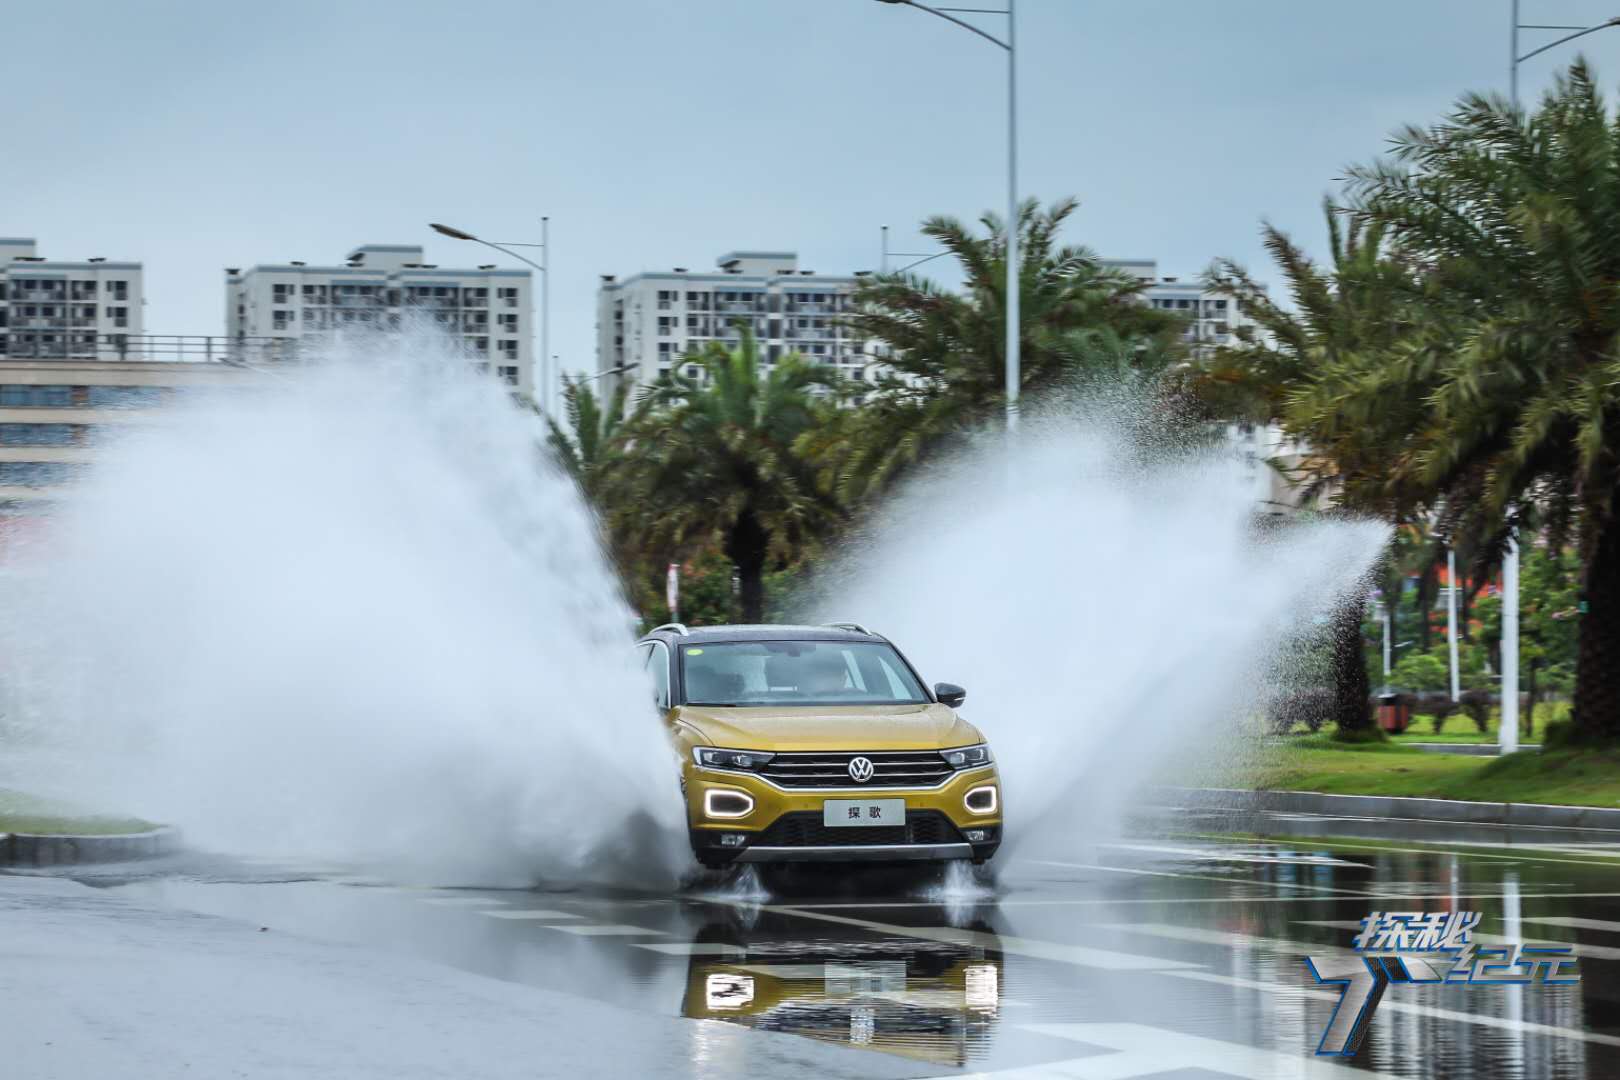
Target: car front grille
(830, 769)
(804, 828)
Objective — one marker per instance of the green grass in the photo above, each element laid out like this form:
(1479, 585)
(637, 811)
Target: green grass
(1459, 726)
(1317, 763)
(20, 813)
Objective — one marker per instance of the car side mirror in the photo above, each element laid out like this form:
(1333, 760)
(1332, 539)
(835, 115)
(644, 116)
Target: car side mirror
(950, 694)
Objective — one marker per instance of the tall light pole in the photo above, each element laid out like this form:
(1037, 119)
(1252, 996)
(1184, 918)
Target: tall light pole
(1507, 732)
(546, 375)
(1010, 46)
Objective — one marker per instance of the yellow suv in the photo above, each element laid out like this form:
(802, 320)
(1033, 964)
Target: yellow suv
(819, 743)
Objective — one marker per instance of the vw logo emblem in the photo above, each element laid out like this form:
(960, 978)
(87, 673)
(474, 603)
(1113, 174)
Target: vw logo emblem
(860, 769)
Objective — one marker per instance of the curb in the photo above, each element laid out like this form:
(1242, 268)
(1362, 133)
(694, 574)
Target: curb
(1455, 811)
(1471, 749)
(21, 849)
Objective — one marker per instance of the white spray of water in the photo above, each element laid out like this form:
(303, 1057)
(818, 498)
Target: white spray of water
(1106, 614)
(344, 611)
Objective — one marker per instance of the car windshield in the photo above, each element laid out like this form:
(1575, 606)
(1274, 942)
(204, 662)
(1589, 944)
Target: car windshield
(798, 673)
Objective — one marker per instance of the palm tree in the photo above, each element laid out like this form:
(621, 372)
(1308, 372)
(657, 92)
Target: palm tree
(1515, 219)
(1291, 373)
(713, 459)
(946, 348)
(586, 449)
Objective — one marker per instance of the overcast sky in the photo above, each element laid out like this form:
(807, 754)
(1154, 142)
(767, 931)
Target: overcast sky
(198, 135)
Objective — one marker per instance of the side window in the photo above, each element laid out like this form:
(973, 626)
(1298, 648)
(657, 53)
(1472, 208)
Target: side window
(658, 668)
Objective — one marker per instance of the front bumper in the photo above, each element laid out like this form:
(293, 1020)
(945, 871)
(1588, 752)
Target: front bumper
(785, 825)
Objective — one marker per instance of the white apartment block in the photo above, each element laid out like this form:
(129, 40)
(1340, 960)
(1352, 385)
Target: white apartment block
(646, 324)
(56, 414)
(1213, 316)
(61, 310)
(489, 312)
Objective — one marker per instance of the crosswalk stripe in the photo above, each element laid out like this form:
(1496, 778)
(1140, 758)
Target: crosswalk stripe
(692, 948)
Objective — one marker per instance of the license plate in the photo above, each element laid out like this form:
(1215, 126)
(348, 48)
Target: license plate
(856, 812)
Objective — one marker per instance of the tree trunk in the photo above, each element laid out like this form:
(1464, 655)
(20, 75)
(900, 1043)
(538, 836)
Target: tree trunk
(1351, 688)
(746, 547)
(1596, 713)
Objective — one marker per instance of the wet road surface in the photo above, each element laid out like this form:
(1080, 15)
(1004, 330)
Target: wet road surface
(1178, 955)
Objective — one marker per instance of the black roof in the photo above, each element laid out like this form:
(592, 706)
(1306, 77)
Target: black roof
(763, 632)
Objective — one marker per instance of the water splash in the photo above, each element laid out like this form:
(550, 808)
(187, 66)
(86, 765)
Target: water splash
(1110, 608)
(344, 611)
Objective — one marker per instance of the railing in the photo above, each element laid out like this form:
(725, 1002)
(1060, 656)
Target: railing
(186, 348)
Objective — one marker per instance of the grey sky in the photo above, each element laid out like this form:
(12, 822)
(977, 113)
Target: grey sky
(199, 135)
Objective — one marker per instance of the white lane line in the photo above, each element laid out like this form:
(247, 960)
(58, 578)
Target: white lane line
(1574, 923)
(536, 914)
(1240, 882)
(1597, 952)
(460, 901)
(1110, 901)
(607, 930)
(1199, 935)
(1079, 955)
(1145, 1050)
(1247, 854)
(1393, 1004)
(692, 948)
(1458, 850)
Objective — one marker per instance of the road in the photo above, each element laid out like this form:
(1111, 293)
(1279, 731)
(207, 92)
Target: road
(1159, 955)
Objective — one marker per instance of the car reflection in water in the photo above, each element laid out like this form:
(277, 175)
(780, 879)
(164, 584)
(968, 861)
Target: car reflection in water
(934, 1001)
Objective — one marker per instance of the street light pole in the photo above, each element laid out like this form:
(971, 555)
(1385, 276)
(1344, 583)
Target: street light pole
(1507, 734)
(545, 389)
(1014, 274)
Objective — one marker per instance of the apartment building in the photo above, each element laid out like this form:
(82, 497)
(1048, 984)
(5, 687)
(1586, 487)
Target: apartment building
(488, 311)
(65, 310)
(1213, 316)
(648, 322)
(54, 414)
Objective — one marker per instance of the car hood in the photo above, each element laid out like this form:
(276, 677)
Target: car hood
(836, 727)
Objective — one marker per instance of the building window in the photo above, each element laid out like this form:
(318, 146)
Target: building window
(510, 374)
(508, 296)
(36, 473)
(509, 349)
(37, 434)
(118, 289)
(119, 315)
(37, 396)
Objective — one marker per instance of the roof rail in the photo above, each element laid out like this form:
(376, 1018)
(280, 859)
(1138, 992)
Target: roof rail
(679, 628)
(855, 626)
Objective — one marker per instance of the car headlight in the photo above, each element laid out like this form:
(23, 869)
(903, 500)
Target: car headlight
(968, 757)
(709, 757)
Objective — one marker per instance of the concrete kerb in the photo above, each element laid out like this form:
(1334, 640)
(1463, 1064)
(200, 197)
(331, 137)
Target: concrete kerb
(1377, 806)
(20, 849)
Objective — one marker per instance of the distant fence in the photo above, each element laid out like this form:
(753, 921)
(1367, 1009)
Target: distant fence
(188, 348)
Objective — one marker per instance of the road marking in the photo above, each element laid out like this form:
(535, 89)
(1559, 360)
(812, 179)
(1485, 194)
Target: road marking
(1199, 935)
(1461, 850)
(460, 901)
(1110, 901)
(1597, 952)
(1144, 1050)
(1248, 882)
(1246, 855)
(1079, 955)
(692, 948)
(607, 930)
(537, 914)
(1573, 922)
(1394, 1005)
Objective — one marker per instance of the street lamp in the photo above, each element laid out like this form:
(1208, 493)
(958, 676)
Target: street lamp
(1514, 59)
(1507, 732)
(547, 374)
(1010, 46)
